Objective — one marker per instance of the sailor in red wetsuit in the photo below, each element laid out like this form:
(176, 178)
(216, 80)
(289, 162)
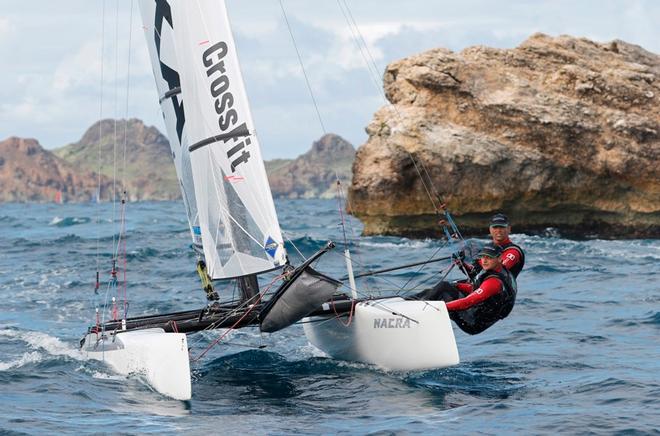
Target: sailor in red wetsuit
(478, 303)
(475, 307)
(513, 257)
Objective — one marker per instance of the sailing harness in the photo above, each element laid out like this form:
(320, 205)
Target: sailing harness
(515, 270)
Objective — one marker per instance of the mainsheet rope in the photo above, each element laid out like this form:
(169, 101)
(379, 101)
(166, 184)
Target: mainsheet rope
(253, 305)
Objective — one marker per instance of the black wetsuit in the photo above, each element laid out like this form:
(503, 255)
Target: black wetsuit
(481, 316)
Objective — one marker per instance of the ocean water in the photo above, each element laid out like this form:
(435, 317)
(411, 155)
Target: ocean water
(579, 354)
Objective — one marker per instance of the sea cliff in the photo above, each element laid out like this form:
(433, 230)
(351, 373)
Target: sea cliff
(560, 132)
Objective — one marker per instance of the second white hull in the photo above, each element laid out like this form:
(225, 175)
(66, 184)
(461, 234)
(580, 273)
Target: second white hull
(394, 334)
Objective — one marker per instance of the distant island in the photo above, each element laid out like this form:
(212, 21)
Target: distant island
(138, 158)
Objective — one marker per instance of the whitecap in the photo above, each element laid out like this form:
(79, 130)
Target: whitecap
(50, 344)
(25, 359)
(105, 376)
(55, 221)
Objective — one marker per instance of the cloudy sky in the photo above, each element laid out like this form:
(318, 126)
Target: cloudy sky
(52, 64)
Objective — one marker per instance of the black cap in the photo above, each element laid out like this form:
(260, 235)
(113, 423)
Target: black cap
(499, 220)
(490, 250)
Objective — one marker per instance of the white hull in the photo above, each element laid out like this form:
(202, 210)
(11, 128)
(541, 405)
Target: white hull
(394, 334)
(162, 358)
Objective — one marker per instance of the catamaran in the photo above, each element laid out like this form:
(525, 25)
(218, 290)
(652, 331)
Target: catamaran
(236, 233)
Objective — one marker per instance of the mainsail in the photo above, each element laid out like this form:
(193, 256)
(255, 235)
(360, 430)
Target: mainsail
(237, 220)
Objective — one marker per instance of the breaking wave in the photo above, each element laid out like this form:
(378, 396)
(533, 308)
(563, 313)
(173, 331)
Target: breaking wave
(69, 221)
(42, 347)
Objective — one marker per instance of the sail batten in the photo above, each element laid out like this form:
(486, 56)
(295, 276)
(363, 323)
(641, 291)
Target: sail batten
(213, 139)
(170, 93)
(234, 213)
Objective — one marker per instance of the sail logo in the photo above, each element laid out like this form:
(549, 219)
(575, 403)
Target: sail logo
(271, 247)
(391, 323)
(213, 60)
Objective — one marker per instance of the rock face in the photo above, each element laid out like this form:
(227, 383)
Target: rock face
(149, 172)
(313, 174)
(558, 132)
(30, 173)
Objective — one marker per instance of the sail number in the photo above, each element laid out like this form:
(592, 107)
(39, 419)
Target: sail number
(224, 102)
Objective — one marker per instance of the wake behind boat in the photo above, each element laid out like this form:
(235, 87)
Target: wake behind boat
(236, 234)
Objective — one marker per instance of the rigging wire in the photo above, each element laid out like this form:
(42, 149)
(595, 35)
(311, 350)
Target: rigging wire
(98, 192)
(115, 233)
(420, 268)
(427, 181)
(118, 226)
(294, 246)
(114, 136)
(358, 252)
(400, 289)
(309, 87)
(341, 212)
(320, 118)
(124, 199)
(429, 186)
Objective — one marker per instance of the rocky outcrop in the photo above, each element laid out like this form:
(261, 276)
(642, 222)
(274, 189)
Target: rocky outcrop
(558, 132)
(28, 172)
(313, 174)
(148, 172)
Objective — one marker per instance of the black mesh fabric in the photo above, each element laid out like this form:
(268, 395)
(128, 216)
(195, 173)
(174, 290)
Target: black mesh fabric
(296, 299)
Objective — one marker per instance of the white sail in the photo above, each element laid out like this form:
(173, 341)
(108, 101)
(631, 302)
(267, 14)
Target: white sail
(157, 24)
(239, 227)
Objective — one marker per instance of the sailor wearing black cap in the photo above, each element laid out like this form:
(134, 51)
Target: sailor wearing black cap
(513, 257)
(490, 299)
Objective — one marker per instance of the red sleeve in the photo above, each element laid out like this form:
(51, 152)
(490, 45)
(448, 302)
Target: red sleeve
(464, 287)
(488, 288)
(510, 258)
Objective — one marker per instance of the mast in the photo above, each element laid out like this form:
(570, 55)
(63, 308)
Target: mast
(249, 286)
